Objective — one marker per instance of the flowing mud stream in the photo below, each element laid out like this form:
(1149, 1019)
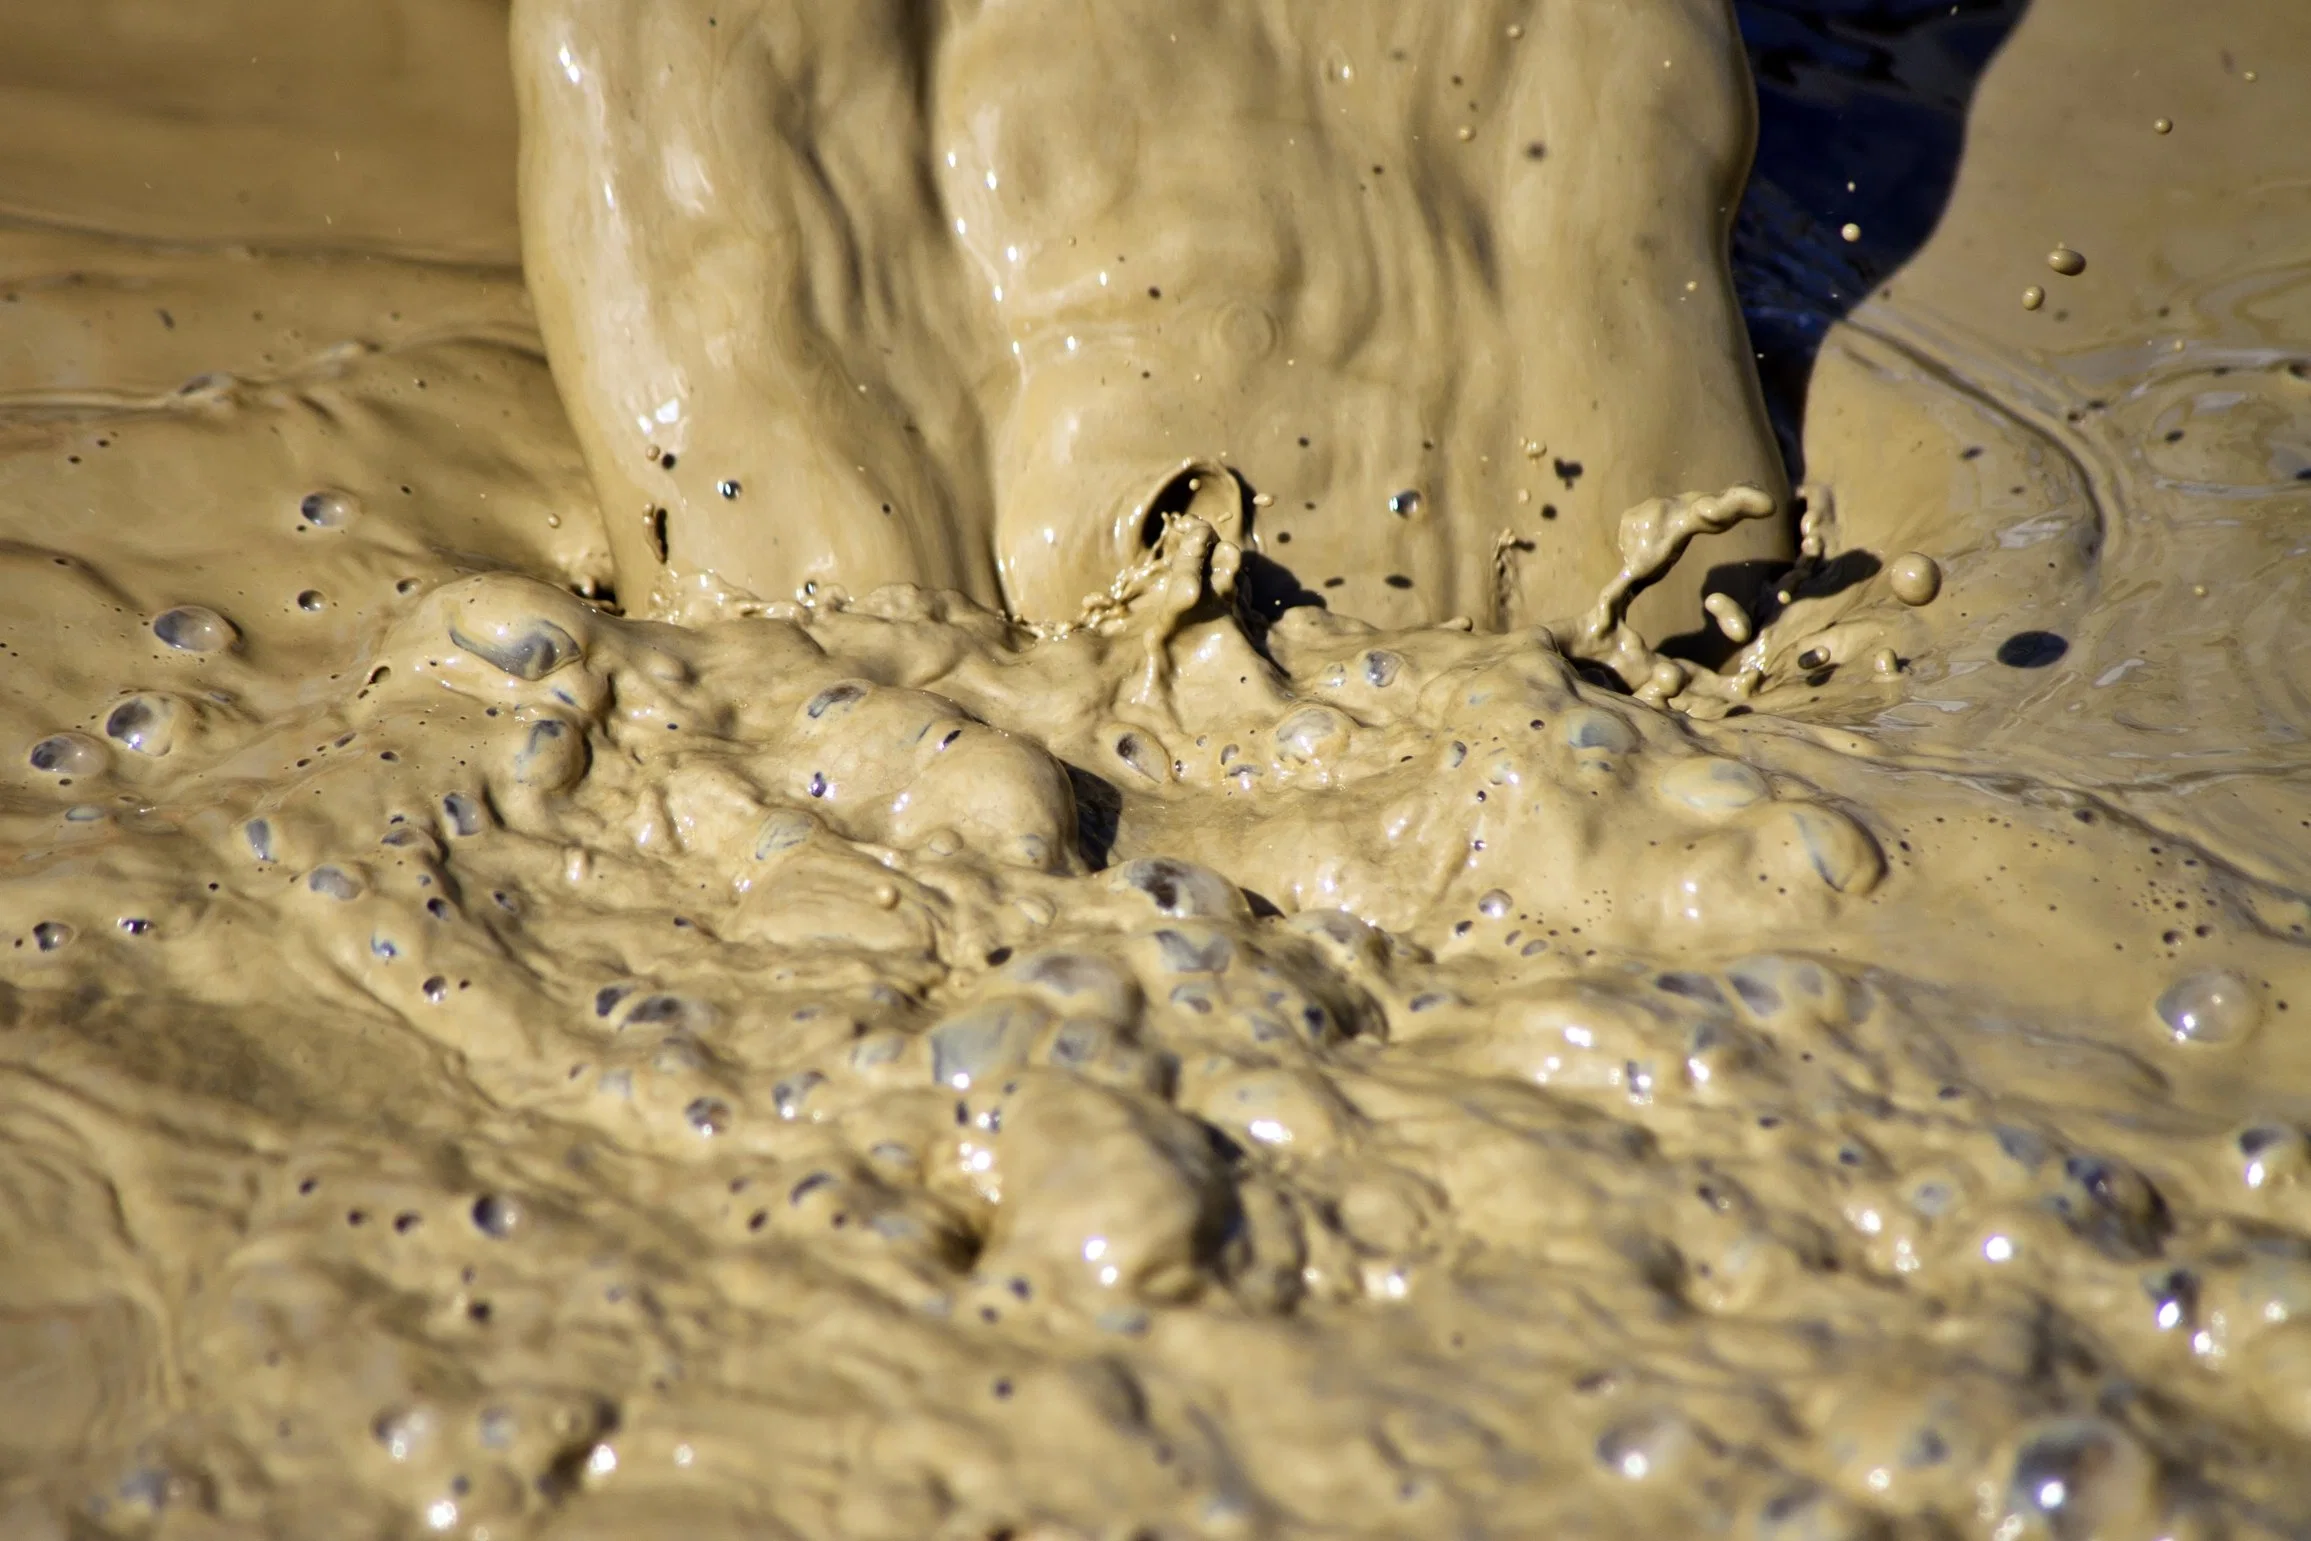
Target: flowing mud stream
(998, 834)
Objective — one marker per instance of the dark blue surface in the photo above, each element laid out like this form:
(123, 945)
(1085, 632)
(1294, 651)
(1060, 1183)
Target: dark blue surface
(1872, 92)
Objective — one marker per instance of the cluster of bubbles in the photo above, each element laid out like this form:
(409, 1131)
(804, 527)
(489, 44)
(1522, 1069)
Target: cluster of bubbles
(949, 1020)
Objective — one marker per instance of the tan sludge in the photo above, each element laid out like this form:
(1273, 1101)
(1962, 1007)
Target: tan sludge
(482, 1057)
(861, 294)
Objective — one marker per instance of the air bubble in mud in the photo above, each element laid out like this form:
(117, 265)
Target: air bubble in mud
(1645, 1446)
(846, 693)
(981, 1042)
(312, 600)
(464, 814)
(1180, 888)
(1840, 852)
(1312, 734)
(328, 509)
(1711, 786)
(403, 1431)
(194, 629)
(1081, 984)
(1809, 1514)
(2081, 1478)
(51, 935)
(2214, 1007)
(668, 1011)
(494, 1214)
(146, 724)
(1588, 728)
(2272, 1154)
(789, 1095)
(2174, 1298)
(334, 883)
(67, 754)
(783, 830)
(552, 757)
(528, 651)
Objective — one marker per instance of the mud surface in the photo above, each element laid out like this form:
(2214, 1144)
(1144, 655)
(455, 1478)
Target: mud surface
(546, 998)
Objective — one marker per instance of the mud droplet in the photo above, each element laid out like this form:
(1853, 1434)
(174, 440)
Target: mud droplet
(1730, 617)
(1914, 577)
(2066, 262)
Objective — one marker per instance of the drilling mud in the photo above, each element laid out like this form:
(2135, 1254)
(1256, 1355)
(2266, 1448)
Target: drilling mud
(544, 997)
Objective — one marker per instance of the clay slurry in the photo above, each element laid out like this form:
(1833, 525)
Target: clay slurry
(481, 1056)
